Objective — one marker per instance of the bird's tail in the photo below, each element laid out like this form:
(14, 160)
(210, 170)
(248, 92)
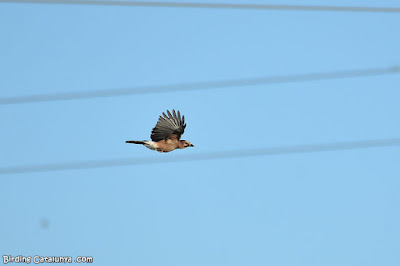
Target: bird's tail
(134, 141)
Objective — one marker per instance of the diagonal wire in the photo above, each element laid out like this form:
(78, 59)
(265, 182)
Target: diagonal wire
(205, 85)
(286, 150)
(211, 5)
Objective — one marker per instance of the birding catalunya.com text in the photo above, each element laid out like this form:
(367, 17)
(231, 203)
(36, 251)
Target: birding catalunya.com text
(44, 259)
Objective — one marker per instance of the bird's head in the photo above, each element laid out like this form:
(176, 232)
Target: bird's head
(185, 144)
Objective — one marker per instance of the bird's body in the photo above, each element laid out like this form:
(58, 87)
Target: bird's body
(161, 146)
(165, 136)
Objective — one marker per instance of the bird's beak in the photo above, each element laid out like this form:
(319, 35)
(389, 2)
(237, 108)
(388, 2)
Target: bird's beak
(191, 145)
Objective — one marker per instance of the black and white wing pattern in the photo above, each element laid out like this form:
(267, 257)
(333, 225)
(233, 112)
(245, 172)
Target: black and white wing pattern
(169, 126)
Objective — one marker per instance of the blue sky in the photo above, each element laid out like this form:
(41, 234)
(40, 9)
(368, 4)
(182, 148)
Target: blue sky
(331, 208)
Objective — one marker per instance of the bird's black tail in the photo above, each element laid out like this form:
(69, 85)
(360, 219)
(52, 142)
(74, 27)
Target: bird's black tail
(134, 141)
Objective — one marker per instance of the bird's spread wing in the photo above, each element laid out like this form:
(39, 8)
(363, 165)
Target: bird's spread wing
(169, 127)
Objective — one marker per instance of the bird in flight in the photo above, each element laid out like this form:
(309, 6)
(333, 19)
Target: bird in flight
(166, 135)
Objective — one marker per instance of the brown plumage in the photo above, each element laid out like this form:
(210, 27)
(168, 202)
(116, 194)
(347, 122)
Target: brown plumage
(166, 135)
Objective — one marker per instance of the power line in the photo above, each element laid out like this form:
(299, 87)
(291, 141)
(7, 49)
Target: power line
(336, 146)
(204, 85)
(211, 5)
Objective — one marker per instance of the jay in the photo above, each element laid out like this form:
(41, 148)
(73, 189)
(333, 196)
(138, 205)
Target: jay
(166, 135)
